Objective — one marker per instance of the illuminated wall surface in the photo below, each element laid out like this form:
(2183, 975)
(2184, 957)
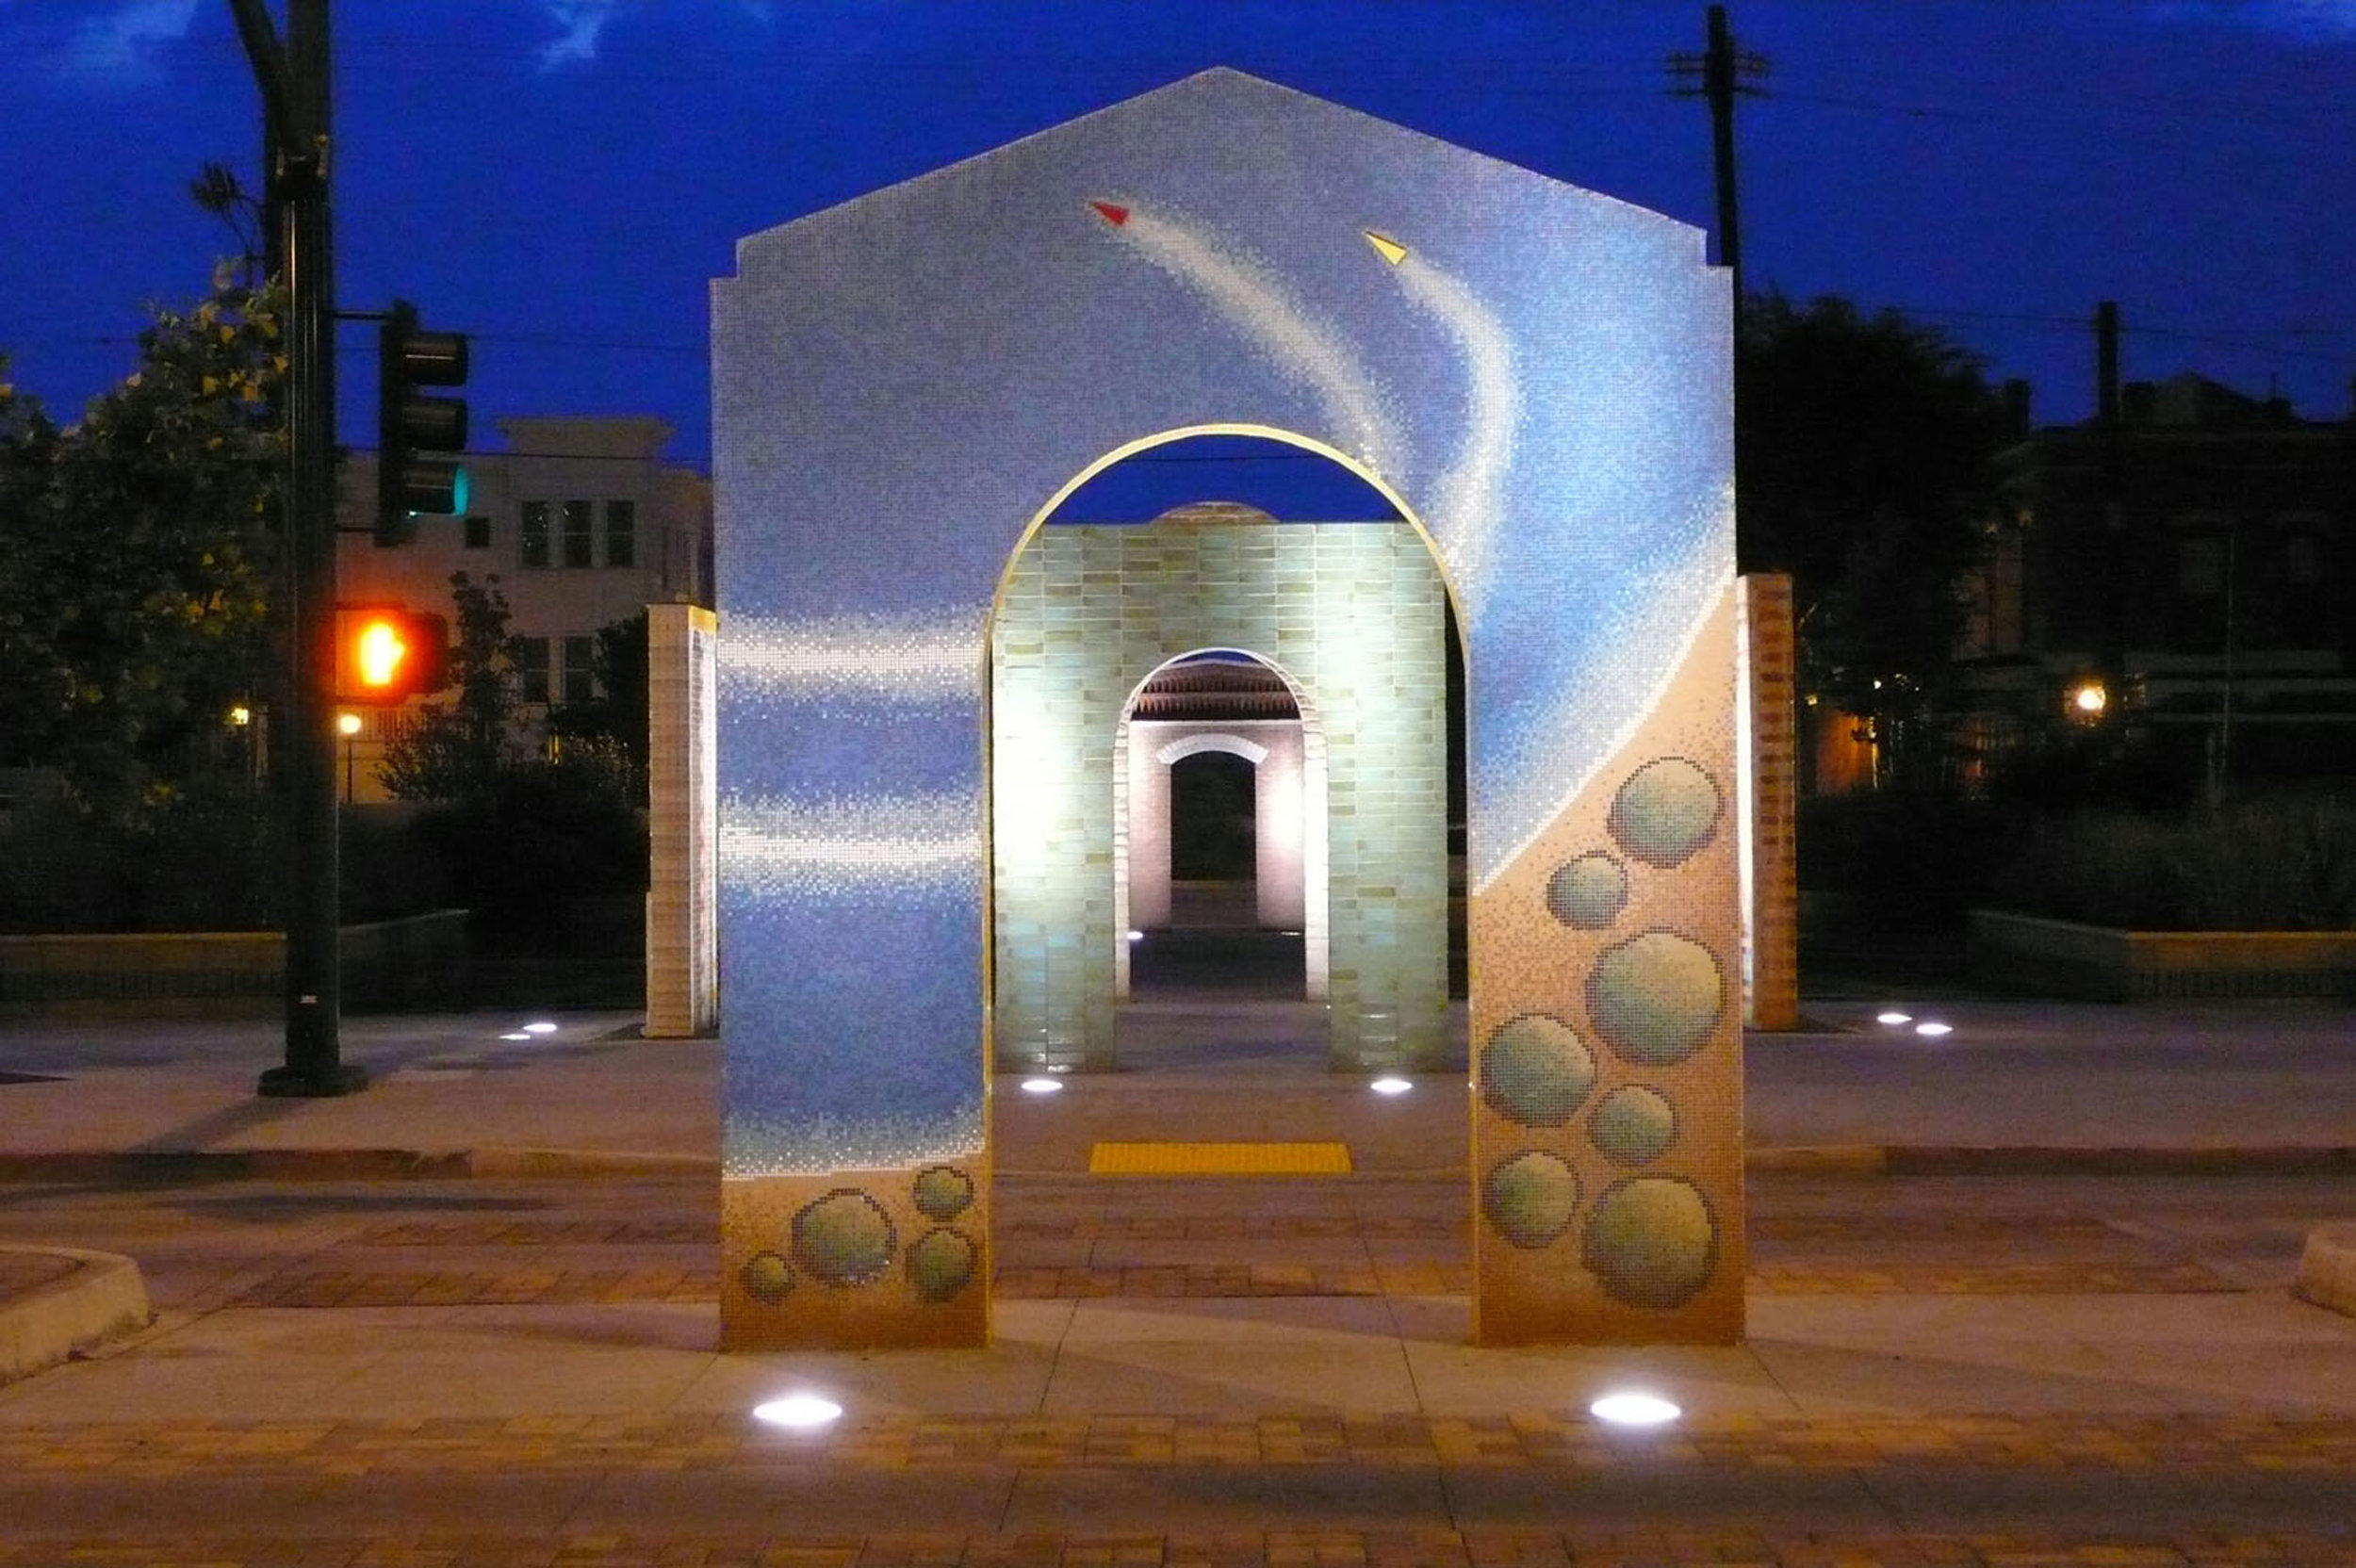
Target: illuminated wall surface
(682, 966)
(1278, 752)
(1351, 614)
(1537, 373)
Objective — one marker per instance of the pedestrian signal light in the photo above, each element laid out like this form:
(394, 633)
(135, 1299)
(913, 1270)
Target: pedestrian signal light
(388, 654)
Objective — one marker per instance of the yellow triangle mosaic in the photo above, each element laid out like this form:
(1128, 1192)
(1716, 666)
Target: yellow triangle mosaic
(1218, 1159)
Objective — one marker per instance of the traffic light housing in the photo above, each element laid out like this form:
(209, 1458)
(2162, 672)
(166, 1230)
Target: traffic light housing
(414, 428)
(384, 654)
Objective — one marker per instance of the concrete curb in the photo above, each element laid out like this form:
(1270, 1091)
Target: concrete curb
(2326, 1270)
(103, 1296)
(148, 1167)
(176, 1167)
(2050, 1160)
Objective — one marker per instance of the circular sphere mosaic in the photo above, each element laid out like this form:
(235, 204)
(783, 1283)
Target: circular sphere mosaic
(845, 1238)
(1535, 1071)
(942, 1192)
(940, 1264)
(766, 1276)
(1587, 893)
(1665, 812)
(1651, 1241)
(1655, 998)
(1632, 1125)
(1532, 1198)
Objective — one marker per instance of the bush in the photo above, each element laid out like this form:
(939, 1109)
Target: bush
(542, 835)
(1901, 860)
(202, 858)
(2269, 865)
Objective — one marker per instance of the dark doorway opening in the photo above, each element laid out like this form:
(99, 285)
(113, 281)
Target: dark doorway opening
(1217, 937)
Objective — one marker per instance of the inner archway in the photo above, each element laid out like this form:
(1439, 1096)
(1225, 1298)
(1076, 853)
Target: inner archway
(1317, 642)
(1220, 832)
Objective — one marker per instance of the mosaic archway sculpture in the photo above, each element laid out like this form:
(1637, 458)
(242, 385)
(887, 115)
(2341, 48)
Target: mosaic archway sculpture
(1536, 373)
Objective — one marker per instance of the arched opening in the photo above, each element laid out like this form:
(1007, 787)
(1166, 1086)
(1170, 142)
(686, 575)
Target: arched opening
(1219, 832)
(1318, 592)
(1213, 870)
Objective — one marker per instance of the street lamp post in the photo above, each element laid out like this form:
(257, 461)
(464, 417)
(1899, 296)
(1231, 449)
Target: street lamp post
(347, 726)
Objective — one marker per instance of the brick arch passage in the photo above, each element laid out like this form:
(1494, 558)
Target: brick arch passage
(1351, 615)
(1290, 810)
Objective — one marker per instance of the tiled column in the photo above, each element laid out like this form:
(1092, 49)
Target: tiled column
(682, 963)
(1771, 896)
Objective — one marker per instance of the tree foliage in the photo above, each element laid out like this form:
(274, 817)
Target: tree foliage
(456, 752)
(1862, 468)
(616, 720)
(137, 549)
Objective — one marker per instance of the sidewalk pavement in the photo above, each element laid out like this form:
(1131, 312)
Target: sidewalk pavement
(2013, 1359)
(2250, 1086)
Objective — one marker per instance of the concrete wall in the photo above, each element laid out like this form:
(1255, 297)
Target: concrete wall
(388, 966)
(2059, 957)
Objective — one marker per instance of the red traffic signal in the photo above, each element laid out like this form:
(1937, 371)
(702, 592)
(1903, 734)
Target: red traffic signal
(386, 654)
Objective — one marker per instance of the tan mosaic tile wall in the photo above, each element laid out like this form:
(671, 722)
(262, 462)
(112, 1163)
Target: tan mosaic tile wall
(1608, 1047)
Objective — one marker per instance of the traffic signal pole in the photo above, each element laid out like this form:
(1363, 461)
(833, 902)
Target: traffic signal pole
(294, 84)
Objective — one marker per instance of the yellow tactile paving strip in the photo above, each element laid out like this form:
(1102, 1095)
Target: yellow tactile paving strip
(1218, 1159)
(1318, 1549)
(2324, 1447)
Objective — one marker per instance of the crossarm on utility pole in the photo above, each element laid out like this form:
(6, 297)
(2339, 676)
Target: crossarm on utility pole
(280, 111)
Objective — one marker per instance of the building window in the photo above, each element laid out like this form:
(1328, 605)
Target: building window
(478, 532)
(2302, 561)
(2201, 565)
(532, 669)
(621, 533)
(579, 539)
(580, 669)
(535, 533)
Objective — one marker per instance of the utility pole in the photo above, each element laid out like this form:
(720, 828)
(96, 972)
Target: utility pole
(293, 80)
(1719, 75)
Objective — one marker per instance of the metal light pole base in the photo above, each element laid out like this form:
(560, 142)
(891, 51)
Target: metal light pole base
(286, 1083)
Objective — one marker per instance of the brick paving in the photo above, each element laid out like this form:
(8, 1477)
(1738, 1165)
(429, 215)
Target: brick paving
(1321, 1548)
(933, 1456)
(510, 1261)
(2324, 1447)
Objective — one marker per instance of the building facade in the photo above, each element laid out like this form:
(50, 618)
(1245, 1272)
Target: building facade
(582, 522)
(2183, 571)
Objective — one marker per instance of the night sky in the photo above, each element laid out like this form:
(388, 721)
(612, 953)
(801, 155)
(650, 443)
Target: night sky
(561, 178)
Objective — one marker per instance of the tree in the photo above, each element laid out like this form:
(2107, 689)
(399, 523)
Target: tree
(1862, 467)
(618, 717)
(138, 551)
(521, 836)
